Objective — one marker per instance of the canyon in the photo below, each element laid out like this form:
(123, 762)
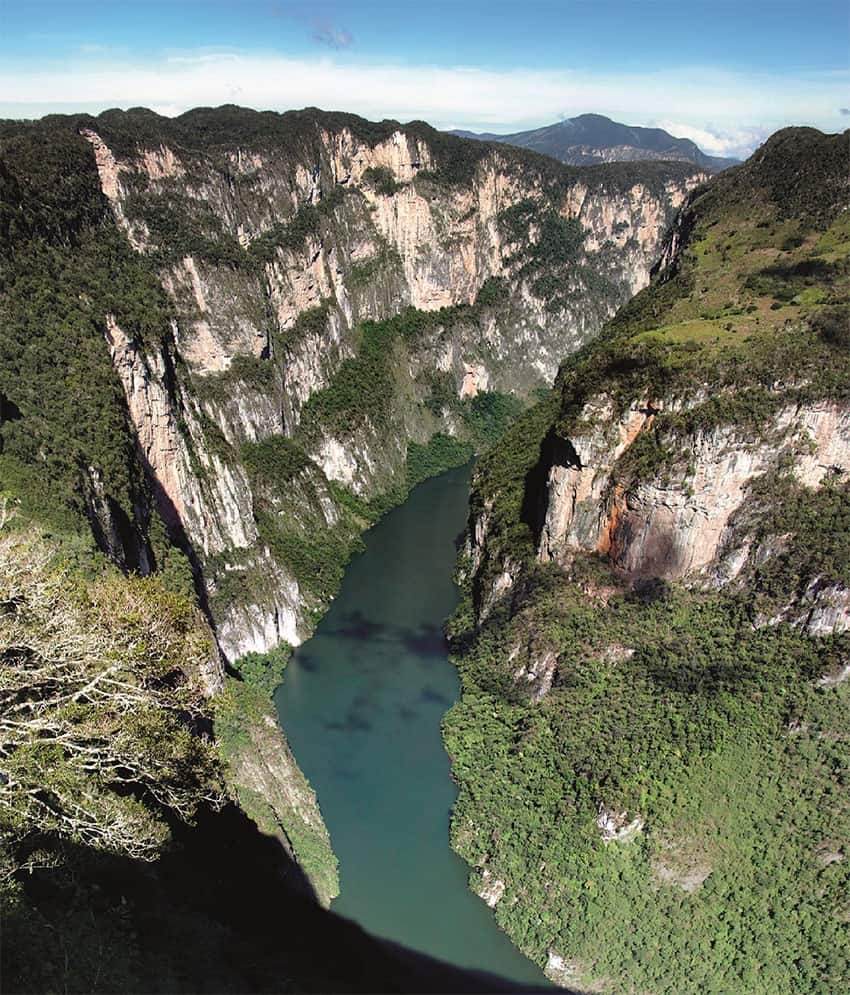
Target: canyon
(272, 327)
(258, 335)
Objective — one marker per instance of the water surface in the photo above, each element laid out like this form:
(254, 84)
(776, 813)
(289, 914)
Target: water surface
(361, 705)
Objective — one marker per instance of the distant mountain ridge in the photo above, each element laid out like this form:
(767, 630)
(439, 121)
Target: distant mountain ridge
(589, 139)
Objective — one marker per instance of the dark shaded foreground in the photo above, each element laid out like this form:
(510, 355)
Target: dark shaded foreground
(226, 910)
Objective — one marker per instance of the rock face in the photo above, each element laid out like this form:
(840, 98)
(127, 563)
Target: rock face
(679, 526)
(205, 500)
(203, 496)
(491, 889)
(570, 974)
(274, 249)
(616, 827)
(424, 244)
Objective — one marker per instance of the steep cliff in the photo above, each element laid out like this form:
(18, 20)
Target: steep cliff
(654, 646)
(267, 241)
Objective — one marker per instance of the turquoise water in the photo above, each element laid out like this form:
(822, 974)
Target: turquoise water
(361, 704)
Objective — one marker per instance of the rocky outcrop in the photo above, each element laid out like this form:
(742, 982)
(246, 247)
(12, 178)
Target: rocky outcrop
(615, 826)
(570, 974)
(823, 608)
(679, 522)
(580, 474)
(246, 625)
(205, 498)
(635, 222)
(491, 889)
(675, 526)
(197, 490)
(115, 533)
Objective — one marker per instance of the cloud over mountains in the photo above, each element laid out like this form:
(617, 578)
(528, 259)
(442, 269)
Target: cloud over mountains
(725, 113)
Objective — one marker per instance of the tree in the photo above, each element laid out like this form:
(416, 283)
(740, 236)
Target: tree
(100, 694)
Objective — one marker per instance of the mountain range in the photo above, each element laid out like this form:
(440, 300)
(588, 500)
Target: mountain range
(590, 139)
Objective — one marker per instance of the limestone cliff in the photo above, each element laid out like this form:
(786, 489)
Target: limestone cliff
(679, 526)
(276, 242)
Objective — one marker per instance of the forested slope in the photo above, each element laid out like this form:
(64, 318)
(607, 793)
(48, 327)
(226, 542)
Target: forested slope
(652, 740)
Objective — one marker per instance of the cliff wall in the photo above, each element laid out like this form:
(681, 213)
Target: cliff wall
(274, 252)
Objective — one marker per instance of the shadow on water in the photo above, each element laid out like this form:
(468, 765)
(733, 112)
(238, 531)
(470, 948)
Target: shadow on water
(433, 697)
(225, 910)
(354, 722)
(309, 662)
(426, 641)
(354, 625)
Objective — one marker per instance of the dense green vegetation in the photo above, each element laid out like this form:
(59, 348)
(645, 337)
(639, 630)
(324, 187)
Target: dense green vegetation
(815, 525)
(672, 703)
(382, 180)
(274, 460)
(293, 234)
(732, 886)
(65, 436)
(363, 389)
(180, 227)
(547, 259)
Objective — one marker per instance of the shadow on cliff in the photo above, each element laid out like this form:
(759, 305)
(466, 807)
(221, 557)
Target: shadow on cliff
(170, 516)
(554, 451)
(225, 910)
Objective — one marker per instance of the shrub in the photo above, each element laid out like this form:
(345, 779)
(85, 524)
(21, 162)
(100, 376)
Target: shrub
(382, 180)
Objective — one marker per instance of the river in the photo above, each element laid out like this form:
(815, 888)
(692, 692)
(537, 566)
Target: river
(361, 705)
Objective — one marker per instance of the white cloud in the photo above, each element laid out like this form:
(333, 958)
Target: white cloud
(724, 112)
(718, 141)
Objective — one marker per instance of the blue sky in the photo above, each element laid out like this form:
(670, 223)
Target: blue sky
(721, 72)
